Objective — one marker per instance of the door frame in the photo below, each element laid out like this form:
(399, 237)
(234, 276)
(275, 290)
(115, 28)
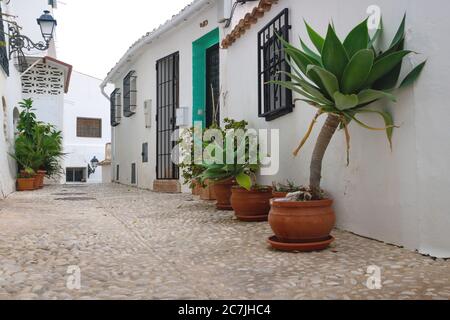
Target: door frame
(199, 48)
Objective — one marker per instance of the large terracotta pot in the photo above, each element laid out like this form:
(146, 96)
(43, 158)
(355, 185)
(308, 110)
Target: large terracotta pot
(207, 193)
(302, 222)
(40, 178)
(251, 206)
(197, 189)
(26, 184)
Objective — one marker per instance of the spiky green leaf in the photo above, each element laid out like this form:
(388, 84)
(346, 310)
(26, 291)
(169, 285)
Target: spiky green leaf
(345, 101)
(385, 65)
(311, 54)
(400, 32)
(413, 75)
(388, 121)
(316, 38)
(329, 80)
(357, 71)
(357, 39)
(334, 55)
(377, 35)
(368, 96)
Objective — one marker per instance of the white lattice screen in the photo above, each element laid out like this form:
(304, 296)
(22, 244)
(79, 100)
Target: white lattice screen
(43, 79)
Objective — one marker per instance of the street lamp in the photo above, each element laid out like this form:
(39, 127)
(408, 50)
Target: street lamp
(93, 166)
(47, 24)
(19, 42)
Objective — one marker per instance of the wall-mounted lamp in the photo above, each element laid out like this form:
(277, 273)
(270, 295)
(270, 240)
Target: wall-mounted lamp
(93, 166)
(19, 42)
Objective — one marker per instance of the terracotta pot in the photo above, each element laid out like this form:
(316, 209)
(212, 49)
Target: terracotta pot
(207, 193)
(197, 189)
(277, 194)
(40, 177)
(302, 222)
(222, 190)
(25, 184)
(251, 206)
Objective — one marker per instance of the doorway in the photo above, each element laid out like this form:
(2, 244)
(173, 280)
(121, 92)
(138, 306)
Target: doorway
(212, 86)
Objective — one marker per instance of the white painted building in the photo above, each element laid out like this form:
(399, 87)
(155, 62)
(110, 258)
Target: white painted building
(178, 50)
(47, 80)
(398, 197)
(86, 128)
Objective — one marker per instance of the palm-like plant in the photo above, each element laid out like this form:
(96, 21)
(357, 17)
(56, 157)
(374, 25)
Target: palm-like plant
(342, 79)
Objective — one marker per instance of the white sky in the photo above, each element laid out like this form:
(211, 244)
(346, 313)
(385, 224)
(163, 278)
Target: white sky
(92, 35)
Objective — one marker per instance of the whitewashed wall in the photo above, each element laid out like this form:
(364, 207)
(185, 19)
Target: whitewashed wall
(399, 197)
(131, 133)
(84, 100)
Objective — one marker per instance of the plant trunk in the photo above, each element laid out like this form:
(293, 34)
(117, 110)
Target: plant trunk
(323, 141)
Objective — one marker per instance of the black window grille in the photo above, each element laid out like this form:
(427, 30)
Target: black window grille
(133, 173)
(4, 61)
(117, 172)
(116, 106)
(145, 152)
(129, 94)
(89, 128)
(274, 101)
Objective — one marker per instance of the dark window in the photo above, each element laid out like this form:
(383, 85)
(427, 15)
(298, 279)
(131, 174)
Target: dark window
(167, 96)
(4, 61)
(75, 175)
(274, 100)
(89, 128)
(116, 106)
(117, 173)
(133, 173)
(145, 152)
(212, 86)
(129, 94)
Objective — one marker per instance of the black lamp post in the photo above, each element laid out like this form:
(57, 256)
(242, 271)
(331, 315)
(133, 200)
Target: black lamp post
(19, 42)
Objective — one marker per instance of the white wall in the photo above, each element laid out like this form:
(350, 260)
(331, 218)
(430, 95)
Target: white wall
(84, 100)
(131, 133)
(399, 197)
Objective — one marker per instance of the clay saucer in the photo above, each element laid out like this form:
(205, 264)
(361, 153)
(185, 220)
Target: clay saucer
(300, 247)
(224, 208)
(253, 218)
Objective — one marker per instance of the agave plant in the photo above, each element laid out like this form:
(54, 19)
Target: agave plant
(341, 79)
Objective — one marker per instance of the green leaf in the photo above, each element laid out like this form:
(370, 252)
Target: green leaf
(385, 65)
(413, 75)
(388, 121)
(357, 39)
(345, 101)
(316, 38)
(244, 181)
(369, 96)
(400, 32)
(299, 58)
(310, 89)
(334, 55)
(311, 54)
(357, 71)
(376, 35)
(328, 79)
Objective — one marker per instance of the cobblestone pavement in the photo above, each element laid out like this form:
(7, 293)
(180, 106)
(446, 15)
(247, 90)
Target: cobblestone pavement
(135, 244)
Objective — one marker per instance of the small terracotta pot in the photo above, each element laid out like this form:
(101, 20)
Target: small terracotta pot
(302, 222)
(207, 193)
(25, 184)
(222, 190)
(40, 177)
(277, 194)
(251, 206)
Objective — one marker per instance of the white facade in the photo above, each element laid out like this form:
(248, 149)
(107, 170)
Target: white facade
(399, 197)
(177, 35)
(11, 85)
(84, 100)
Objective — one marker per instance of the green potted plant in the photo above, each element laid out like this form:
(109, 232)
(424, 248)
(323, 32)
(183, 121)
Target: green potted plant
(281, 190)
(26, 180)
(340, 79)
